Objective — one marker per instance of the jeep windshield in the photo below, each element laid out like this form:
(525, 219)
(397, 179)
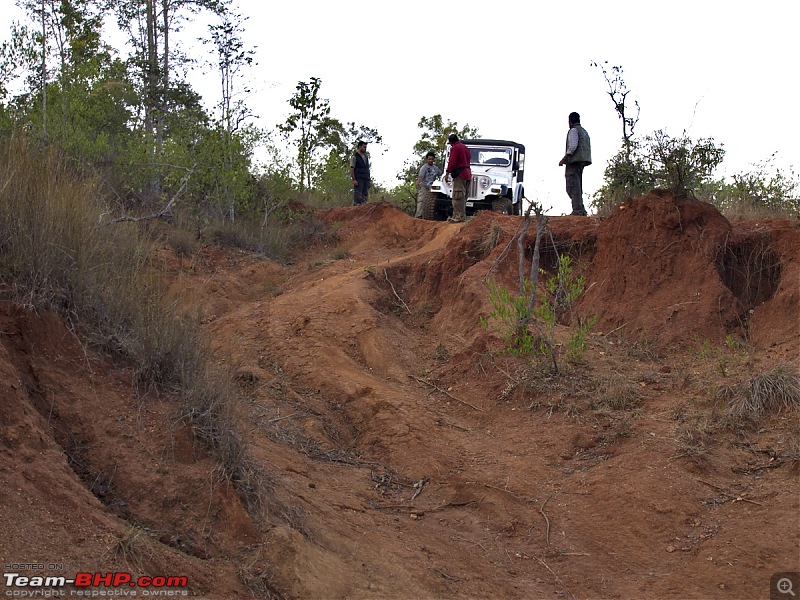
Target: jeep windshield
(490, 156)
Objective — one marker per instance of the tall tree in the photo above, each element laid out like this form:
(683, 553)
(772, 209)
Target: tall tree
(435, 131)
(309, 127)
(232, 57)
(19, 56)
(70, 38)
(623, 172)
(149, 25)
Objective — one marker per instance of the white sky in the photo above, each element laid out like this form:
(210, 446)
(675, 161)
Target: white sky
(515, 70)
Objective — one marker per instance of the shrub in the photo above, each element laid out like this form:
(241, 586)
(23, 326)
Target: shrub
(512, 314)
(623, 178)
(765, 192)
(677, 164)
(509, 318)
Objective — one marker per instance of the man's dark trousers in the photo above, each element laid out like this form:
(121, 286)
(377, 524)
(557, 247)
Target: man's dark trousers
(360, 191)
(574, 176)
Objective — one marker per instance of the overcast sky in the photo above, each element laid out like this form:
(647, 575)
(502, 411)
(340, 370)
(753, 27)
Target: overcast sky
(515, 70)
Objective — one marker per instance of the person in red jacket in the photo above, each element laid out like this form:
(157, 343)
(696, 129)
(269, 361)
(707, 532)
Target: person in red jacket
(458, 169)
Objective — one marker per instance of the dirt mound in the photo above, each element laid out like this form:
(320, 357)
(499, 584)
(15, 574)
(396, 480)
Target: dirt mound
(403, 455)
(674, 270)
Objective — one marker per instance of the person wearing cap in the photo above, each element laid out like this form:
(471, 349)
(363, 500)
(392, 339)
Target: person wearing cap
(458, 168)
(359, 172)
(427, 175)
(577, 156)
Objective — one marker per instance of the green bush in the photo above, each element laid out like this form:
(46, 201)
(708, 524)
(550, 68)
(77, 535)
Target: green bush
(660, 161)
(509, 318)
(623, 178)
(765, 192)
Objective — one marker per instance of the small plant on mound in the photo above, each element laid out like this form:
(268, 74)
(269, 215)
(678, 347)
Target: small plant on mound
(725, 358)
(562, 291)
(512, 314)
(509, 319)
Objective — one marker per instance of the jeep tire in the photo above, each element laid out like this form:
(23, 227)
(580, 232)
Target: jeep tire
(503, 206)
(429, 207)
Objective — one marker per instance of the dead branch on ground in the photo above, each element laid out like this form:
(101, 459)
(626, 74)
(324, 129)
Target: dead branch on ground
(386, 275)
(165, 212)
(438, 389)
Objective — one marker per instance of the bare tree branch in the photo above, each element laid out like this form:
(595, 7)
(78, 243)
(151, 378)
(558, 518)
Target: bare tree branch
(166, 211)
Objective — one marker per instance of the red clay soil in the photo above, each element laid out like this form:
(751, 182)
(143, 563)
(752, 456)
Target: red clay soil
(399, 453)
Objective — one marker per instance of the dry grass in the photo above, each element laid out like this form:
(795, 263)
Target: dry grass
(770, 393)
(493, 236)
(183, 241)
(56, 255)
(279, 238)
(616, 392)
(132, 548)
(791, 450)
(210, 402)
(747, 211)
(255, 574)
(694, 440)
(441, 354)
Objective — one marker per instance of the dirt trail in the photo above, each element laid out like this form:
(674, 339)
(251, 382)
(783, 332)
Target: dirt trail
(404, 457)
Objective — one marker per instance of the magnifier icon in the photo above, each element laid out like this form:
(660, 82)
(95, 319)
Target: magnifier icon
(785, 585)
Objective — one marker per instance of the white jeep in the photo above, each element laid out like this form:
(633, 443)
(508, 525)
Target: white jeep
(497, 168)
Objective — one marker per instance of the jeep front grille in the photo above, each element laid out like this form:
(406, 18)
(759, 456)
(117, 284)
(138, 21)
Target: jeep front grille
(473, 188)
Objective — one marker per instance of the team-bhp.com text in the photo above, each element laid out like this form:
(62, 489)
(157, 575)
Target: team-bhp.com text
(94, 585)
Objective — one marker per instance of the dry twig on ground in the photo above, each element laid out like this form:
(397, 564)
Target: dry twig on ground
(438, 389)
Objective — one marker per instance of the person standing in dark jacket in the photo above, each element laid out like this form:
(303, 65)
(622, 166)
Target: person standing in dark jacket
(577, 156)
(458, 168)
(359, 172)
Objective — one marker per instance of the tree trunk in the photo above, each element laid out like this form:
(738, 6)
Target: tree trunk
(44, 73)
(151, 107)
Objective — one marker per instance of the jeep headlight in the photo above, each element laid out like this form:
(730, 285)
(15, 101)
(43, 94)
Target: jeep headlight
(485, 182)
